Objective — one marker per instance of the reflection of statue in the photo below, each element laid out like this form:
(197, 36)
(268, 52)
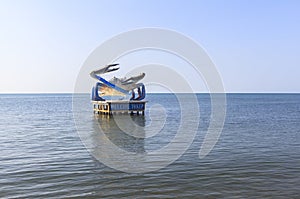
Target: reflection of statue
(108, 124)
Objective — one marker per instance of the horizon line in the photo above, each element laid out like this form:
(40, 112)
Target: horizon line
(45, 93)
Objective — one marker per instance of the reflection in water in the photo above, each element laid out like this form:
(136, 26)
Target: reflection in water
(109, 125)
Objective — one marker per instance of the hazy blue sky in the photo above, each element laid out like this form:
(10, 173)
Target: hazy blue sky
(254, 44)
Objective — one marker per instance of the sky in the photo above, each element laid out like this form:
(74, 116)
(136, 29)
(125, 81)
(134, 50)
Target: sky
(254, 44)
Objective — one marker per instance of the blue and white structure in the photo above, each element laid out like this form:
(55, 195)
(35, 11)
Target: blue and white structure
(117, 94)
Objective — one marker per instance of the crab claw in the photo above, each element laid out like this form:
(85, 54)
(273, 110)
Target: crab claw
(111, 67)
(112, 64)
(105, 69)
(133, 79)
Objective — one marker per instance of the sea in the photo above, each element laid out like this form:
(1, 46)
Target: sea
(48, 151)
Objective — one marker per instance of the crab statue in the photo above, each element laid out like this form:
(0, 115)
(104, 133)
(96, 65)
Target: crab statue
(123, 88)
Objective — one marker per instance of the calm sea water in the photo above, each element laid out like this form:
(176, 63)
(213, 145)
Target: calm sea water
(257, 155)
